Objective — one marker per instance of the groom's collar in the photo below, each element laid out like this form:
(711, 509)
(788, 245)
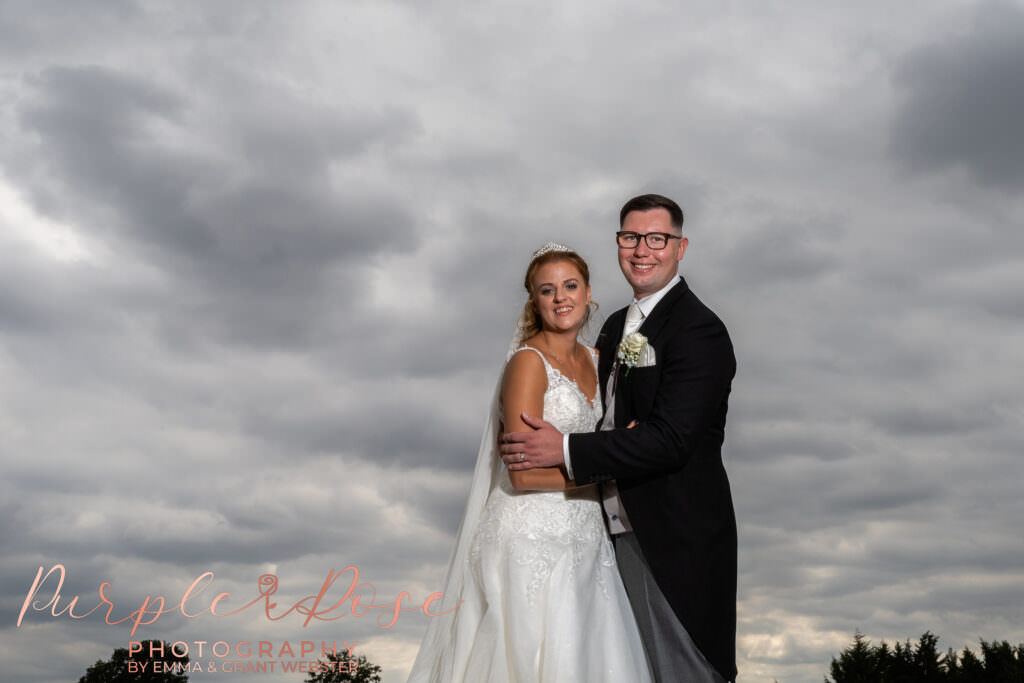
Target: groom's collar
(648, 302)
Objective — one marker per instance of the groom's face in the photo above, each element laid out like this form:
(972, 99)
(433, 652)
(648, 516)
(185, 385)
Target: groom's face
(648, 270)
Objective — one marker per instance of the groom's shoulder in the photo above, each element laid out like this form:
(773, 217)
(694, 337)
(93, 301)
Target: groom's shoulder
(691, 310)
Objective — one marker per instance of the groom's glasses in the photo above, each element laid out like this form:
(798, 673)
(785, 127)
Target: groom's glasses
(655, 240)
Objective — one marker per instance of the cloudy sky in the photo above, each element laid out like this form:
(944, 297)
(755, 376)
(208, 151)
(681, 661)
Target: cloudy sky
(259, 263)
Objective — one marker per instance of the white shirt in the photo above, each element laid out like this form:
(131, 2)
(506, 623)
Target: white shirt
(618, 522)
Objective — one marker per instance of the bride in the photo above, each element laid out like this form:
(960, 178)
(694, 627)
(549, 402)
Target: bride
(533, 572)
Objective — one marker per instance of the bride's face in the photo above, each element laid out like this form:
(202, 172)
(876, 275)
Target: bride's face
(560, 295)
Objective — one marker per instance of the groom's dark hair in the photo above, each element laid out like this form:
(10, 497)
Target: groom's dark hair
(647, 202)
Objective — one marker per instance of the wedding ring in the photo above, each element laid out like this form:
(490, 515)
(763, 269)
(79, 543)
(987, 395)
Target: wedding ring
(522, 457)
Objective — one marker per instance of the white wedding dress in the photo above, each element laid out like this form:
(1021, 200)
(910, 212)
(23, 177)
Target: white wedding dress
(541, 598)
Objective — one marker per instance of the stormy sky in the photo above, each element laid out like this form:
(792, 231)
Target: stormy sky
(260, 261)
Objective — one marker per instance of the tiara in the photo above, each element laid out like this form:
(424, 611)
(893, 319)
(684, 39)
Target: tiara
(550, 246)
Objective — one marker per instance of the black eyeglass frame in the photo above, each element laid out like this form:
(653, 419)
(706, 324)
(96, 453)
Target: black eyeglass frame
(645, 236)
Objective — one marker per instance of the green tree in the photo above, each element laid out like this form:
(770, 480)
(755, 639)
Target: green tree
(1003, 662)
(139, 668)
(857, 663)
(929, 665)
(340, 668)
(969, 669)
(905, 662)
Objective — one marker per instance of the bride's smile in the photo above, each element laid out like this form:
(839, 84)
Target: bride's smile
(561, 297)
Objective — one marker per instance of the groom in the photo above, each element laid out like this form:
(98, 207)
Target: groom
(666, 494)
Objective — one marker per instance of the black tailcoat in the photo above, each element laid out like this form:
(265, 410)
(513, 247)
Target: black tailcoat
(669, 467)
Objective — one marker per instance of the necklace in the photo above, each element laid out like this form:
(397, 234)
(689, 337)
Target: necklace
(565, 365)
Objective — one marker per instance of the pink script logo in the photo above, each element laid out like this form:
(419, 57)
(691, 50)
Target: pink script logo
(153, 607)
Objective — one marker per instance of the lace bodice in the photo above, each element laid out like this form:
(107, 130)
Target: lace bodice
(565, 405)
(536, 528)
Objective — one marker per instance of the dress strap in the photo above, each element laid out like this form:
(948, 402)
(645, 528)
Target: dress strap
(547, 365)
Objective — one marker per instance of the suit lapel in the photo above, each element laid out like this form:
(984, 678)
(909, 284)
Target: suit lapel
(608, 341)
(651, 327)
(655, 322)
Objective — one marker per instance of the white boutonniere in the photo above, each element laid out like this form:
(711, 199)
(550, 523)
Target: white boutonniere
(630, 348)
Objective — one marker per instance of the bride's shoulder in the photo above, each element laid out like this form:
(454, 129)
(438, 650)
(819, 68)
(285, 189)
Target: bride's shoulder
(526, 357)
(525, 370)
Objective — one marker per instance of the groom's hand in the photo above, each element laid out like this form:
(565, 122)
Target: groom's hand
(539, 448)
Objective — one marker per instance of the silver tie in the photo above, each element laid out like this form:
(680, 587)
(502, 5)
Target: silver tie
(634, 316)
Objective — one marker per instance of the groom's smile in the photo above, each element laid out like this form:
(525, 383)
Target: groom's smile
(648, 270)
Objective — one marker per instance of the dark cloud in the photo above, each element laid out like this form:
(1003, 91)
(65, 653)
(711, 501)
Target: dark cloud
(251, 252)
(417, 433)
(796, 254)
(963, 100)
(53, 22)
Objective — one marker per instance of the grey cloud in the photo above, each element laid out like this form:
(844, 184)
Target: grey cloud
(795, 252)
(94, 126)
(415, 435)
(759, 440)
(261, 247)
(964, 100)
(933, 420)
(52, 22)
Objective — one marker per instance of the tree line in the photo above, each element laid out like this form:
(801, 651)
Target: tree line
(862, 662)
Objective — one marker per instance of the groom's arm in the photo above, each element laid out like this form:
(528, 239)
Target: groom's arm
(689, 406)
